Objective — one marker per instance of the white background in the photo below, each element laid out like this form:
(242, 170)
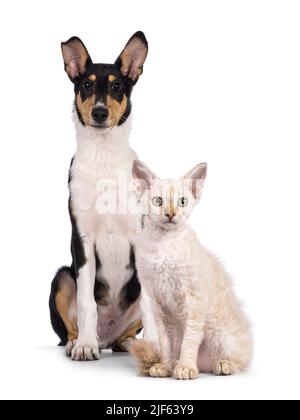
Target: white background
(222, 85)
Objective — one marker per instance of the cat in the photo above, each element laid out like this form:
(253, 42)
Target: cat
(200, 323)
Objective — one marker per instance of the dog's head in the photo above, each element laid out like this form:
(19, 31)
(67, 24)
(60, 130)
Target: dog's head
(102, 91)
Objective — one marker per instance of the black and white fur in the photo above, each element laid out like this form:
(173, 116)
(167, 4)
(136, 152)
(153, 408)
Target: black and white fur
(96, 301)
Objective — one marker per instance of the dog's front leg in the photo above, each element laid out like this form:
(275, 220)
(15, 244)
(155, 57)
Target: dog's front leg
(87, 347)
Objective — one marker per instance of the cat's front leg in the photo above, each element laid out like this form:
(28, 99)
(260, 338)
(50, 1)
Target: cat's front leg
(163, 369)
(186, 367)
(147, 307)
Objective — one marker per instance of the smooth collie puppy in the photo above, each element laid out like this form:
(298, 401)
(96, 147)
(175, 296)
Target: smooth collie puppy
(201, 325)
(95, 303)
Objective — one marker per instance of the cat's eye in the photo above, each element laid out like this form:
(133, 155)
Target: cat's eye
(183, 202)
(157, 201)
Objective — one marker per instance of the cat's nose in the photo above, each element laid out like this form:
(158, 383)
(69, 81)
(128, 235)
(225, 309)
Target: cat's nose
(170, 216)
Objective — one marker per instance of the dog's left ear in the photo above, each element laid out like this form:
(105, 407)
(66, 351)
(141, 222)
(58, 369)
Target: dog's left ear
(133, 57)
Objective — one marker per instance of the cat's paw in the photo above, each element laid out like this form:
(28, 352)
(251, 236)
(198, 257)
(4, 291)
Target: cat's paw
(69, 347)
(83, 353)
(224, 368)
(160, 371)
(185, 372)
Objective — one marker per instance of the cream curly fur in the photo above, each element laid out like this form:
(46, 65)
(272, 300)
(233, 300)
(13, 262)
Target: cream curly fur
(201, 325)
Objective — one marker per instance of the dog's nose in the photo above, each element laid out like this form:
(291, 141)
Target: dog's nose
(100, 114)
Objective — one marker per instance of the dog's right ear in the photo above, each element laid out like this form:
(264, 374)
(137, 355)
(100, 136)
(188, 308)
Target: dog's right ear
(142, 175)
(133, 57)
(76, 57)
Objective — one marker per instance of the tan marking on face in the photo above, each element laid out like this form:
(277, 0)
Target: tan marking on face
(85, 108)
(116, 109)
(92, 77)
(112, 78)
(64, 301)
(172, 206)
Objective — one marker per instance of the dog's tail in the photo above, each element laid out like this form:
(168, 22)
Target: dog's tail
(145, 355)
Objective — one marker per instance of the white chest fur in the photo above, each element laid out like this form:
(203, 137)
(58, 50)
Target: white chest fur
(169, 264)
(103, 159)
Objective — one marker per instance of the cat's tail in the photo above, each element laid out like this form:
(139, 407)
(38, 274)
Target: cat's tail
(145, 355)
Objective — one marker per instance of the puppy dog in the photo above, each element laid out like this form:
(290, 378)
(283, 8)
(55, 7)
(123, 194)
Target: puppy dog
(95, 303)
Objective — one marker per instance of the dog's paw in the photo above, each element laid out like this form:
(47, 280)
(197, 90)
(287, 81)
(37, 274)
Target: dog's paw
(224, 368)
(185, 372)
(159, 371)
(69, 347)
(85, 352)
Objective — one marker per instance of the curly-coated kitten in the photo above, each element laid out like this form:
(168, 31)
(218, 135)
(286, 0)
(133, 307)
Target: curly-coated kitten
(201, 325)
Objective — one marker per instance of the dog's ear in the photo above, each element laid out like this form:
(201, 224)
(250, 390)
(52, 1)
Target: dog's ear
(142, 175)
(196, 178)
(76, 57)
(133, 57)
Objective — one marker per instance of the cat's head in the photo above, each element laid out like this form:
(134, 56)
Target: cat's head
(169, 203)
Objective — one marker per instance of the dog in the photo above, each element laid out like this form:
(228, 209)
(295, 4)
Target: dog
(96, 303)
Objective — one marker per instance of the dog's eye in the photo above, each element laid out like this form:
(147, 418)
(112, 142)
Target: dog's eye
(183, 202)
(157, 201)
(116, 86)
(87, 85)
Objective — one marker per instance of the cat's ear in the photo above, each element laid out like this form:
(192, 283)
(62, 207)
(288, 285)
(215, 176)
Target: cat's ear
(76, 57)
(133, 57)
(142, 175)
(195, 179)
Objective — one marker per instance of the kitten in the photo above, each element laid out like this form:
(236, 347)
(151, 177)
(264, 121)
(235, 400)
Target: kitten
(201, 325)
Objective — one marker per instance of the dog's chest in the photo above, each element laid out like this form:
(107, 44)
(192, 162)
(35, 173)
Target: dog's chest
(97, 190)
(99, 197)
